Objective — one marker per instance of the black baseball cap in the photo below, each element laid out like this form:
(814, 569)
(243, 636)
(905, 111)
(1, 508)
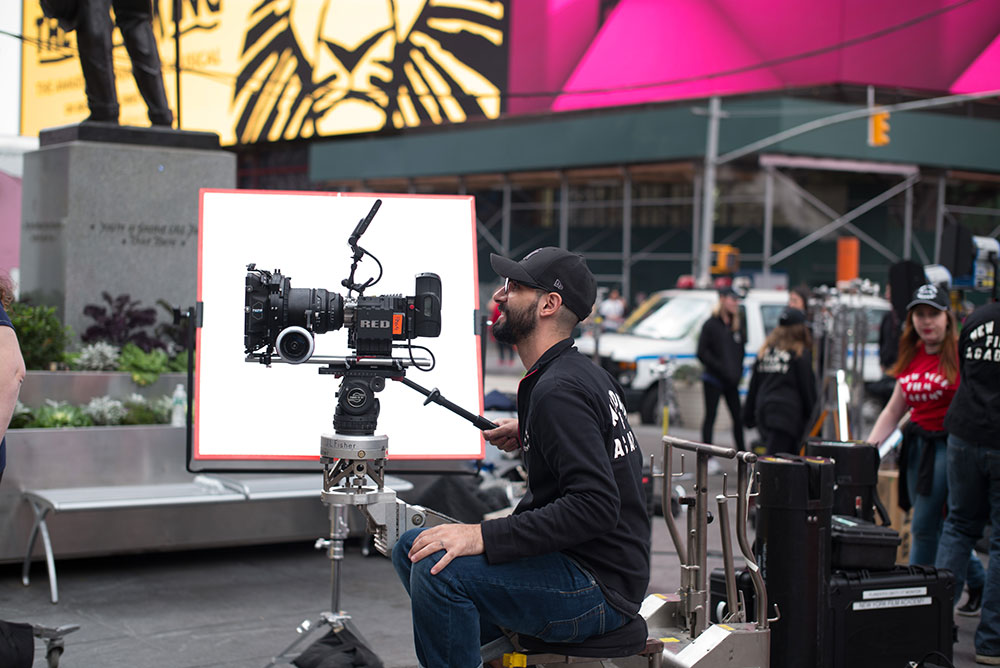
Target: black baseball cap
(791, 316)
(553, 270)
(931, 295)
(728, 291)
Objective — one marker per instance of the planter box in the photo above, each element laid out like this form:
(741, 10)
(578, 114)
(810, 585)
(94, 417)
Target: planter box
(79, 387)
(95, 456)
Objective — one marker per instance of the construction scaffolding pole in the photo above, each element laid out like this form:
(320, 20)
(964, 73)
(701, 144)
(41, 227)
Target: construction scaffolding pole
(939, 217)
(708, 192)
(768, 218)
(563, 210)
(627, 235)
(908, 224)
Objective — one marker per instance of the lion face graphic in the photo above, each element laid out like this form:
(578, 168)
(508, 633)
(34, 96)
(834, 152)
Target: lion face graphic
(328, 67)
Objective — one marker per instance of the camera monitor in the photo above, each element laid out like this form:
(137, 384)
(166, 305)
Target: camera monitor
(254, 416)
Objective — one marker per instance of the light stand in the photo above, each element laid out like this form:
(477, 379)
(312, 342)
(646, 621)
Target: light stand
(351, 457)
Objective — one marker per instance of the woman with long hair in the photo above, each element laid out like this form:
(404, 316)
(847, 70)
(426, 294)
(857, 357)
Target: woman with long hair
(720, 351)
(926, 373)
(782, 391)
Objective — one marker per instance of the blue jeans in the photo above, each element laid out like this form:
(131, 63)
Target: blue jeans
(465, 605)
(928, 511)
(974, 500)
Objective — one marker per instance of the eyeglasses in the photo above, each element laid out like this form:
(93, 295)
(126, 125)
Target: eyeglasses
(510, 284)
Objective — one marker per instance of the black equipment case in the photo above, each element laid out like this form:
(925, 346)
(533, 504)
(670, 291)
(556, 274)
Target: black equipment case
(717, 594)
(889, 618)
(861, 544)
(856, 476)
(793, 550)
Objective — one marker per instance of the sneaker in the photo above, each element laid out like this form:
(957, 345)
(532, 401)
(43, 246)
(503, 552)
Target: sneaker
(988, 660)
(973, 604)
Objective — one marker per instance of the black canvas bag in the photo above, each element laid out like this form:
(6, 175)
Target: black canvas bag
(17, 645)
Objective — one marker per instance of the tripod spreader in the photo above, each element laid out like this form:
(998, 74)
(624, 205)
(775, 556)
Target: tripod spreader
(434, 396)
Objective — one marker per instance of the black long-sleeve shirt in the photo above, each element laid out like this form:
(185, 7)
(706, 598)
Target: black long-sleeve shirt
(782, 392)
(974, 414)
(720, 351)
(585, 496)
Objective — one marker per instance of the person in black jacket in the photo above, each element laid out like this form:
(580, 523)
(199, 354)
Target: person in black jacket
(572, 561)
(720, 351)
(783, 387)
(973, 426)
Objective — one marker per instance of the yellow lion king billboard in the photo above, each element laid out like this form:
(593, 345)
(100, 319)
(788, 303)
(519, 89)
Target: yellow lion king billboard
(270, 70)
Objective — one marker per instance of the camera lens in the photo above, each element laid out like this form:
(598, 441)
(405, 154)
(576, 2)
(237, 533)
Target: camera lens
(320, 311)
(295, 345)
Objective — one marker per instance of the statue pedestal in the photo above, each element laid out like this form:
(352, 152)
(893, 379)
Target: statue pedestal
(108, 208)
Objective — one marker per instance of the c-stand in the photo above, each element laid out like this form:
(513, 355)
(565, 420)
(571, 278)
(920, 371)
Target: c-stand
(352, 456)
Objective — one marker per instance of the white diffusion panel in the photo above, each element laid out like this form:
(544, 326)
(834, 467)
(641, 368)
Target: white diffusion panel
(250, 416)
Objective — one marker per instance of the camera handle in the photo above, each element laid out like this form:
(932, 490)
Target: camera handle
(395, 369)
(434, 396)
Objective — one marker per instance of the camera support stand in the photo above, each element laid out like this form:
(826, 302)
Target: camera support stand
(349, 462)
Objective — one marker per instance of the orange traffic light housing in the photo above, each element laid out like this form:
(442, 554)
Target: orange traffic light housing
(725, 259)
(878, 128)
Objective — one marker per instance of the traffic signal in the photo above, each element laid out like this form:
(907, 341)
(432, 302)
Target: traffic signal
(878, 128)
(725, 259)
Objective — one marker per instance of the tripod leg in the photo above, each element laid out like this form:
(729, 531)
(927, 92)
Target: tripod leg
(304, 630)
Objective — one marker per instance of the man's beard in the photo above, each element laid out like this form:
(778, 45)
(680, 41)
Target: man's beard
(516, 326)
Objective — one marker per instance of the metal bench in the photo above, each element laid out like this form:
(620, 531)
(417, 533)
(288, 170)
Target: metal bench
(200, 490)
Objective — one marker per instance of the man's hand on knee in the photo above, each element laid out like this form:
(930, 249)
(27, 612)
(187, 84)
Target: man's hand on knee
(457, 540)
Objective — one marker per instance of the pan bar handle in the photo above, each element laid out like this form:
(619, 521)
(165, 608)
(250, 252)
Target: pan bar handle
(692, 446)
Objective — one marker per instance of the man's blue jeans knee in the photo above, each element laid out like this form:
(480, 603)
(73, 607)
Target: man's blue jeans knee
(465, 605)
(974, 500)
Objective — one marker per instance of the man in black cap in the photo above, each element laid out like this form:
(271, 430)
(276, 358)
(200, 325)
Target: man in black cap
(572, 562)
(720, 351)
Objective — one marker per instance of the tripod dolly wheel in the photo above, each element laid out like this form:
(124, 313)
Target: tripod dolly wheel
(53, 655)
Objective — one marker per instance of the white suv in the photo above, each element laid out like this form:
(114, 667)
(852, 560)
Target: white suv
(667, 325)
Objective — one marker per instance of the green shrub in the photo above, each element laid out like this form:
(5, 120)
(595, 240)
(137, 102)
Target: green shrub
(22, 417)
(42, 336)
(144, 367)
(141, 411)
(180, 362)
(100, 411)
(163, 407)
(54, 414)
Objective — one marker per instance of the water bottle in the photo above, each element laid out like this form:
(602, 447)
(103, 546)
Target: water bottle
(178, 409)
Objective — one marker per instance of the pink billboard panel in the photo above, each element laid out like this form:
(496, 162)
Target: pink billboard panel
(658, 50)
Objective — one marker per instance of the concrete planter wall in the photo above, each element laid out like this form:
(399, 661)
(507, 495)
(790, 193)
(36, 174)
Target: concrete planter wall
(79, 387)
(97, 456)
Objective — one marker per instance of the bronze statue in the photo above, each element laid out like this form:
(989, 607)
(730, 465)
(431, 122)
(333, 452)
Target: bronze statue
(134, 19)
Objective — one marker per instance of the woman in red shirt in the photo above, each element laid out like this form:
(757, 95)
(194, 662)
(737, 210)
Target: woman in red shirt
(926, 375)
